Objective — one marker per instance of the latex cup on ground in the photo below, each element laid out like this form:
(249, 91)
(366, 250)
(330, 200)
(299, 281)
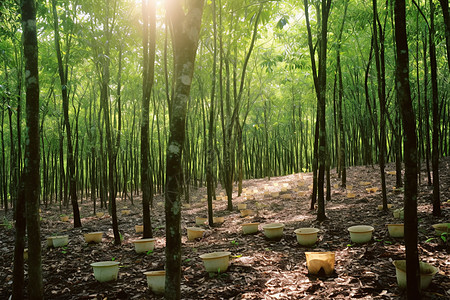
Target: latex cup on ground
(57, 241)
(93, 237)
(361, 233)
(396, 230)
(242, 206)
(216, 262)
(250, 228)
(398, 213)
(194, 233)
(200, 220)
(427, 272)
(306, 236)
(389, 206)
(320, 263)
(156, 281)
(105, 270)
(144, 245)
(246, 212)
(441, 228)
(273, 231)
(218, 220)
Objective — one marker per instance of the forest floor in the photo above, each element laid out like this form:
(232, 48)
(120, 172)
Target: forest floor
(259, 268)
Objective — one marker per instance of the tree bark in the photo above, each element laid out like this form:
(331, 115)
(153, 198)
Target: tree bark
(32, 156)
(446, 16)
(378, 44)
(320, 88)
(341, 160)
(185, 35)
(436, 121)
(410, 150)
(211, 124)
(63, 74)
(149, 17)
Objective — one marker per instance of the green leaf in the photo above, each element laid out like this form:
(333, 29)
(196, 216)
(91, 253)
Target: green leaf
(282, 22)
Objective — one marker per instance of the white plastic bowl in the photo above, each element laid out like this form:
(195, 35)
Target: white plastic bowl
(249, 228)
(361, 233)
(306, 236)
(396, 230)
(427, 272)
(93, 237)
(105, 270)
(216, 262)
(156, 281)
(194, 233)
(58, 241)
(273, 230)
(144, 245)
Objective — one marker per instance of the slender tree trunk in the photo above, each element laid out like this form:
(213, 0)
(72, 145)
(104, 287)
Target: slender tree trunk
(427, 110)
(104, 99)
(211, 123)
(32, 156)
(63, 73)
(341, 160)
(149, 14)
(446, 16)
(19, 244)
(410, 150)
(320, 88)
(378, 43)
(184, 48)
(436, 119)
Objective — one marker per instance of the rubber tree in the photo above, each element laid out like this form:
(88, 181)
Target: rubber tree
(211, 124)
(436, 118)
(32, 156)
(320, 84)
(184, 21)
(379, 50)
(149, 41)
(410, 151)
(63, 71)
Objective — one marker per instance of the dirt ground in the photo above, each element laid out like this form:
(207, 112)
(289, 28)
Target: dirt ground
(259, 268)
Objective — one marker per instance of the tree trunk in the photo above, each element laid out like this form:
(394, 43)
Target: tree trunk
(378, 44)
(149, 18)
(104, 101)
(63, 73)
(436, 121)
(445, 15)
(184, 48)
(19, 244)
(211, 124)
(341, 160)
(410, 150)
(320, 88)
(32, 156)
